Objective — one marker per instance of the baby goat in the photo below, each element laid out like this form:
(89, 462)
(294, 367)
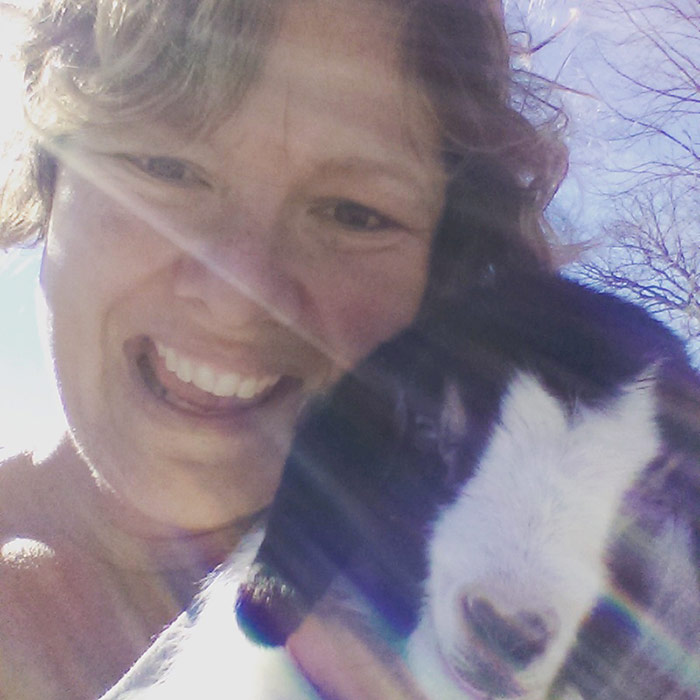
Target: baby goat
(510, 485)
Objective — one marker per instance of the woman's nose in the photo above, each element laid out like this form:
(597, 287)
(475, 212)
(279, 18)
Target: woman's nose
(240, 273)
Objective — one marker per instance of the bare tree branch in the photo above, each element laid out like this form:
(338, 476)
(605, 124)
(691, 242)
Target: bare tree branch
(646, 76)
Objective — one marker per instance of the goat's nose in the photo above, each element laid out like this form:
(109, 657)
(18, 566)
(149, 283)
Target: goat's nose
(518, 638)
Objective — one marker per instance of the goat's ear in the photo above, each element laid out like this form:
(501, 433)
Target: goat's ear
(453, 416)
(454, 426)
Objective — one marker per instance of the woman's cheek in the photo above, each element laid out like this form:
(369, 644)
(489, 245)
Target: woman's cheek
(101, 242)
(371, 302)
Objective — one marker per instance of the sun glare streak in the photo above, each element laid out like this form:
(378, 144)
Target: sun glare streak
(666, 649)
(190, 245)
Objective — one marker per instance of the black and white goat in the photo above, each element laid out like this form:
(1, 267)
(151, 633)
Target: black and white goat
(512, 485)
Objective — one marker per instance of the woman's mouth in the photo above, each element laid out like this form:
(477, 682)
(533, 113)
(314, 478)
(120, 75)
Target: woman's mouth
(193, 386)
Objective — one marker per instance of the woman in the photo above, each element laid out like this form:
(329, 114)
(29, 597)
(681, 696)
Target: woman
(237, 200)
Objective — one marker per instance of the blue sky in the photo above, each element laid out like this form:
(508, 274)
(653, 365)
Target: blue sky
(29, 413)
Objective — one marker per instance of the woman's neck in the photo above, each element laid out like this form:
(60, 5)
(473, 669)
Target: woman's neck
(94, 517)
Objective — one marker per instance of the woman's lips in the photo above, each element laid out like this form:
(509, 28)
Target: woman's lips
(195, 387)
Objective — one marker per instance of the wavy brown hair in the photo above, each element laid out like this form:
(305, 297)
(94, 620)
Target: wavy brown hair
(92, 63)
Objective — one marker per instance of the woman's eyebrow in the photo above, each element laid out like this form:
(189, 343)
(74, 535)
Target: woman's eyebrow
(419, 174)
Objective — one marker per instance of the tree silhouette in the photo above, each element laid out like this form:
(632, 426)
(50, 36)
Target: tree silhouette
(635, 70)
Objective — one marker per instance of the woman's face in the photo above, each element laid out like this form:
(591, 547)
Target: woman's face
(200, 291)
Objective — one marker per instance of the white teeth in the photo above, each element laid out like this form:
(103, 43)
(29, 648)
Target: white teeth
(183, 369)
(207, 379)
(247, 388)
(171, 360)
(204, 378)
(226, 385)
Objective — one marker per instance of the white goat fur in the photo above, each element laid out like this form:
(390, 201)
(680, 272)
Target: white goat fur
(205, 655)
(530, 529)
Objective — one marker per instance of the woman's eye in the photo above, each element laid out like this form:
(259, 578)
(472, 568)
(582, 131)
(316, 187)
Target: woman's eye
(357, 217)
(166, 169)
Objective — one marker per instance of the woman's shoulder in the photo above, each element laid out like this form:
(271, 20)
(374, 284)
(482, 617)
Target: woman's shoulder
(64, 624)
(30, 551)
(41, 559)
(29, 570)
(26, 510)
(39, 564)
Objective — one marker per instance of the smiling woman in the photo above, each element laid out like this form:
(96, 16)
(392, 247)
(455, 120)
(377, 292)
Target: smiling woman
(237, 201)
(275, 283)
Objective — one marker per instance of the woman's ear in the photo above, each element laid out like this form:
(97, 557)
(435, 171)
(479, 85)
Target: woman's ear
(46, 175)
(46, 166)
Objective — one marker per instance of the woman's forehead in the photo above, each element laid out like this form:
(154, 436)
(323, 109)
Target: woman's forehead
(340, 28)
(344, 67)
(331, 80)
